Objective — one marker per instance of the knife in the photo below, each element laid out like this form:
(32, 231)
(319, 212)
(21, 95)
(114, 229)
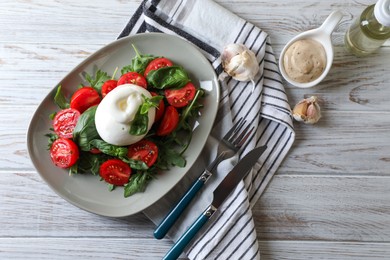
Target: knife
(222, 191)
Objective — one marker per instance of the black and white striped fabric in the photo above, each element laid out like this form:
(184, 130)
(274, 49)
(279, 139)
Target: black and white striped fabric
(230, 234)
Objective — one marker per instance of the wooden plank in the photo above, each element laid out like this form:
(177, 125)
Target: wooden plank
(337, 208)
(118, 248)
(29, 208)
(83, 248)
(290, 250)
(64, 21)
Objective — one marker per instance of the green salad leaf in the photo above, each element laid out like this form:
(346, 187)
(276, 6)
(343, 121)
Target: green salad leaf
(168, 77)
(138, 63)
(97, 80)
(60, 99)
(85, 130)
(137, 183)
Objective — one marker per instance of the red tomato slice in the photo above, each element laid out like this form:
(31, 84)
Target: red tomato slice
(95, 151)
(65, 121)
(64, 153)
(143, 150)
(108, 86)
(181, 97)
(160, 110)
(156, 64)
(169, 121)
(115, 171)
(85, 98)
(133, 78)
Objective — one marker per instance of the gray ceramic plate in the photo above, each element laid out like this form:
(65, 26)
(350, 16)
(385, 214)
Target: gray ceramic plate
(87, 191)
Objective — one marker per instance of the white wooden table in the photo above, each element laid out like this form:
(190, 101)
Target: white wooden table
(329, 200)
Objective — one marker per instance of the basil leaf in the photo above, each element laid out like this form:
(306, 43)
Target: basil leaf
(135, 164)
(139, 126)
(168, 77)
(60, 99)
(85, 130)
(109, 149)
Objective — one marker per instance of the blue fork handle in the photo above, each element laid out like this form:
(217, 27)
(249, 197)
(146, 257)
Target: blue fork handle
(175, 213)
(186, 238)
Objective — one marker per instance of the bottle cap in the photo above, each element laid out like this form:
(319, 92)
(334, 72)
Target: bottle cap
(382, 12)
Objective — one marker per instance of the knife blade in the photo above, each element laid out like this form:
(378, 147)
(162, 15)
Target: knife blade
(222, 191)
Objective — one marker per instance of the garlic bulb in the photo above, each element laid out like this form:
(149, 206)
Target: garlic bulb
(239, 62)
(307, 110)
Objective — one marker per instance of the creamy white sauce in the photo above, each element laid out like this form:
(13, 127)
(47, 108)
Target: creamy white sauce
(116, 112)
(305, 60)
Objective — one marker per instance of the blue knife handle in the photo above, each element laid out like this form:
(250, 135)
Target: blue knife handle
(186, 238)
(175, 213)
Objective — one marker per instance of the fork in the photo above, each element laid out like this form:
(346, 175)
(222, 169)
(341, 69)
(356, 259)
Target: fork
(229, 145)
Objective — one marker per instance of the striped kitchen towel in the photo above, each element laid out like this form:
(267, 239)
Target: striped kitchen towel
(230, 234)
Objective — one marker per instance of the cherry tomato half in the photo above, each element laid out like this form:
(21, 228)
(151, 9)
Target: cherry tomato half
(181, 97)
(65, 121)
(133, 78)
(169, 121)
(115, 171)
(108, 86)
(160, 110)
(156, 64)
(84, 98)
(64, 153)
(95, 151)
(143, 150)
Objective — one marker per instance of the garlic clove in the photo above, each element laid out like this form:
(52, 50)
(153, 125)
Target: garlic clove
(307, 110)
(239, 62)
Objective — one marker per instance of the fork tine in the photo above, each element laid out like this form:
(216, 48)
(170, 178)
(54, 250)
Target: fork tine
(243, 140)
(233, 129)
(243, 133)
(236, 132)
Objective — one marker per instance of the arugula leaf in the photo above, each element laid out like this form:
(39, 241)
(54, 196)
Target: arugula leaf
(138, 63)
(137, 183)
(135, 164)
(85, 129)
(168, 157)
(88, 163)
(149, 103)
(141, 61)
(111, 187)
(168, 77)
(52, 138)
(98, 80)
(52, 115)
(126, 69)
(60, 99)
(191, 111)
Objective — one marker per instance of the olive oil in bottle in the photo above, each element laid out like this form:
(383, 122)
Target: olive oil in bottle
(370, 30)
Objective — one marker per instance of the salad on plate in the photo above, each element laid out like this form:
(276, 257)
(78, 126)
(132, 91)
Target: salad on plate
(126, 130)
